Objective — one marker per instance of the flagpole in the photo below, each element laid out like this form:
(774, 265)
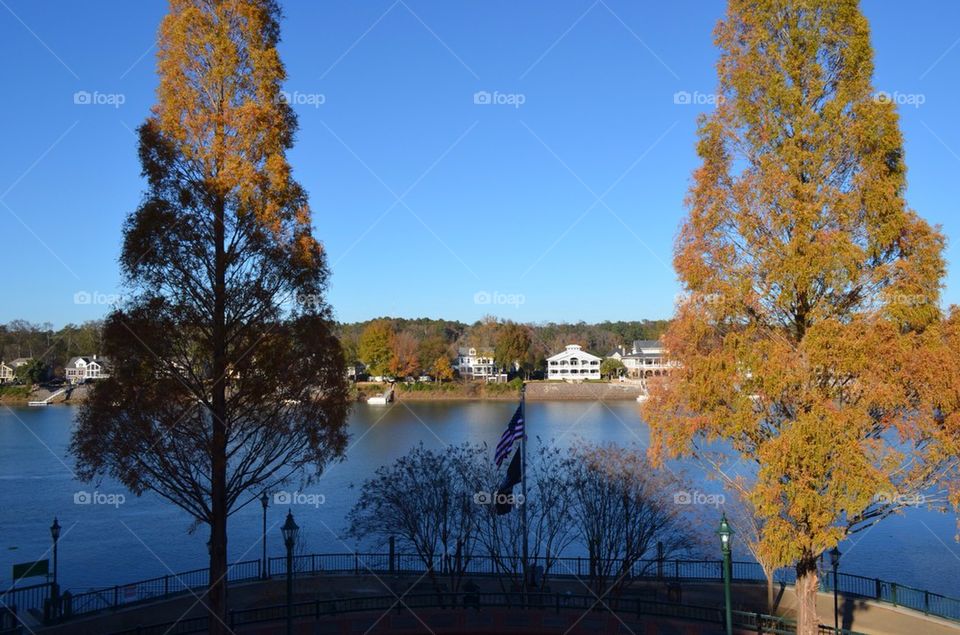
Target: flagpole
(523, 484)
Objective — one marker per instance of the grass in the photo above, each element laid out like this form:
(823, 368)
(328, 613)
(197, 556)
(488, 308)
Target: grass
(14, 392)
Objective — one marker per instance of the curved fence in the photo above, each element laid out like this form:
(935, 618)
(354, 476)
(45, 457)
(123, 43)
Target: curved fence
(558, 603)
(38, 598)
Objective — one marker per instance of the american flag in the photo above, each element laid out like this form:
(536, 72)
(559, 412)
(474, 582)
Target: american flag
(514, 432)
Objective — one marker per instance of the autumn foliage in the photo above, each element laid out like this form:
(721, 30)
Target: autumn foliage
(811, 339)
(227, 379)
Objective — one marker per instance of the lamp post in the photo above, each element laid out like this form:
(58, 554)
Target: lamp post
(264, 568)
(835, 563)
(55, 591)
(289, 530)
(725, 532)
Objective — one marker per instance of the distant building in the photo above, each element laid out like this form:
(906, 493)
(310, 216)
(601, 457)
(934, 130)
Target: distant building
(6, 372)
(355, 370)
(476, 363)
(647, 358)
(20, 361)
(573, 364)
(80, 369)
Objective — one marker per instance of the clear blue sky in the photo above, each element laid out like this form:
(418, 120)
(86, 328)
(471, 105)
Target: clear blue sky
(569, 202)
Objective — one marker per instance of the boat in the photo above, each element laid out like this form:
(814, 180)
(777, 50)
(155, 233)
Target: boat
(37, 403)
(383, 399)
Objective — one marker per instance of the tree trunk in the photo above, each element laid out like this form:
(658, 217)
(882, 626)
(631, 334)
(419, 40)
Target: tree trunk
(769, 576)
(807, 585)
(217, 591)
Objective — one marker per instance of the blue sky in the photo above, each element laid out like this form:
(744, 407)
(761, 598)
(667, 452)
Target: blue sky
(558, 202)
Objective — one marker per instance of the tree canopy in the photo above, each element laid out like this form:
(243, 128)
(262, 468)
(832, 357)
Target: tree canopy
(812, 321)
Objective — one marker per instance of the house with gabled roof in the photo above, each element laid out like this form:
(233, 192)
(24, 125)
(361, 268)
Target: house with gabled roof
(81, 369)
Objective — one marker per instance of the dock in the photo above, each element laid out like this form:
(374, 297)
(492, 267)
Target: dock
(382, 399)
(46, 402)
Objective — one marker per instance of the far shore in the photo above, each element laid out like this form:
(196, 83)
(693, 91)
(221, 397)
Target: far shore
(451, 391)
(535, 391)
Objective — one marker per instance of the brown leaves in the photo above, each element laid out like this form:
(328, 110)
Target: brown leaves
(812, 341)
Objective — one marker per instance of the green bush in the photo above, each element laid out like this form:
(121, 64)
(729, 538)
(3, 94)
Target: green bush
(512, 386)
(9, 391)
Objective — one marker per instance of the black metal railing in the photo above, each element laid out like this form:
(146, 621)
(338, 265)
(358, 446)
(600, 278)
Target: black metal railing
(120, 595)
(705, 571)
(317, 610)
(928, 602)
(21, 600)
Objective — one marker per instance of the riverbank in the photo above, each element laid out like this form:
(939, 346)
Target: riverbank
(479, 391)
(22, 395)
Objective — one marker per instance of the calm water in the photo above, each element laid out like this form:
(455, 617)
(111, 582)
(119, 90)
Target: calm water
(103, 544)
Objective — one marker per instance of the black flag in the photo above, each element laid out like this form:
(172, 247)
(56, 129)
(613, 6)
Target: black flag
(504, 493)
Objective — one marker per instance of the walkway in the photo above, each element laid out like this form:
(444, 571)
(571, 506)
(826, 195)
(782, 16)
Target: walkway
(859, 615)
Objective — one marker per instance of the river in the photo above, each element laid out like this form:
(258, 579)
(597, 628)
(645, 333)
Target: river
(119, 537)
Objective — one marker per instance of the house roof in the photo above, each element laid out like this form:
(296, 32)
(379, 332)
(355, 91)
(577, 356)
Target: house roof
(87, 359)
(464, 351)
(572, 350)
(20, 361)
(638, 344)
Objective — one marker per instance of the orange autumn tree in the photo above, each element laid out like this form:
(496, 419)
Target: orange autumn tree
(811, 340)
(227, 379)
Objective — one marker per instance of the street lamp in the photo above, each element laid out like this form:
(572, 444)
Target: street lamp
(263, 567)
(55, 534)
(725, 532)
(289, 530)
(835, 563)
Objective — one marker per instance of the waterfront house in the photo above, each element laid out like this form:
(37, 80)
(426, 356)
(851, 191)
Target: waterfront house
(573, 364)
(7, 372)
(80, 369)
(476, 363)
(356, 370)
(647, 358)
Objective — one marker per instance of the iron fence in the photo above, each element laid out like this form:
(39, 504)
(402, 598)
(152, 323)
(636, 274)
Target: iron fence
(316, 610)
(117, 596)
(26, 598)
(705, 571)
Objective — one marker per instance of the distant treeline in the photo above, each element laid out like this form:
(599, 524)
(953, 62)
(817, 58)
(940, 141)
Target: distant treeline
(412, 345)
(53, 347)
(401, 346)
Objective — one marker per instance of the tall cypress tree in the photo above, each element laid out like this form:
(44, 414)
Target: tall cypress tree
(227, 378)
(813, 322)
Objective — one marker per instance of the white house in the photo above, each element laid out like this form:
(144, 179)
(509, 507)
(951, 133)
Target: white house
(80, 369)
(6, 373)
(573, 364)
(647, 358)
(475, 363)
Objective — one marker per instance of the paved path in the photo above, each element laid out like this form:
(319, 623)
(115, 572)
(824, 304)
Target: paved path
(859, 615)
